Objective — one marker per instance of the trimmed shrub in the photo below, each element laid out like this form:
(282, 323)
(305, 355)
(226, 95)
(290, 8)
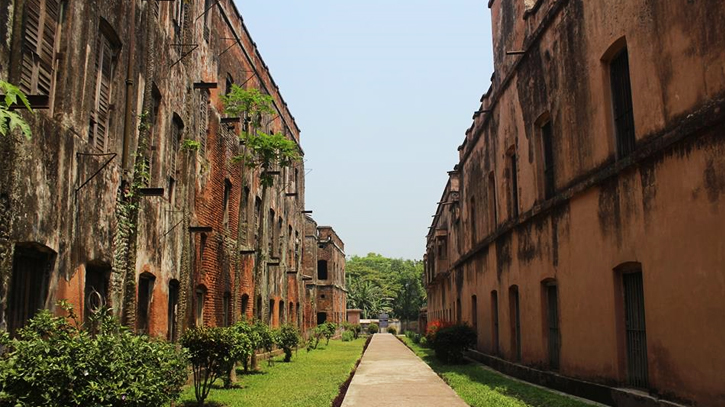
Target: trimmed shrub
(288, 338)
(328, 331)
(347, 336)
(210, 351)
(263, 338)
(373, 328)
(244, 344)
(55, 363)
(392, 330)
(451, 342)
(356, 329)
(416, 338)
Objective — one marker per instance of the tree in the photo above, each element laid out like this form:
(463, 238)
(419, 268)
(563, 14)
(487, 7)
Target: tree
(377, 283)
(10, 120)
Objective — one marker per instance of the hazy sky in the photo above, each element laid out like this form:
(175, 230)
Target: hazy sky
(383, 92)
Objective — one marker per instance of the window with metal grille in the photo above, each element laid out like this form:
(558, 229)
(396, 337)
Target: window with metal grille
(634, 313)
(178, 9)
(227, 195)
(29, 284)
(548, 164)
(280, 237)
(38, 46)
(492, 209)
(622, 103)
(177, 134)
(257, 217)
(104, 68)
(199, 312)
(515, 319)
(203, 119)
(552, 314)
(145, 291)
(472, 211)
(208, 6)
(271, 233)
(514, 184)
(494, 321)
(172, 312)
(227, 309)
(244, 231)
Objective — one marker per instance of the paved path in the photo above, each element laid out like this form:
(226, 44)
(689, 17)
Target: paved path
(391, 375)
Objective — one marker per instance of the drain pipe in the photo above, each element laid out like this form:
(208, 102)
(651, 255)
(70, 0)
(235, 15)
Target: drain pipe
(128, 118)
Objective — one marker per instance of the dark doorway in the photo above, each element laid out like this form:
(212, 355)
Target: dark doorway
(245, 306)
(29, 285)
(145, 291)
(96, 289)
(494, 321)
(515, 318)
(637, 374)
(474, 313)
(321, 318)
(172, 311)
(554, 341)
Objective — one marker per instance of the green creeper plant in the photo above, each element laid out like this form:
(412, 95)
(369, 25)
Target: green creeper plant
(10, 120)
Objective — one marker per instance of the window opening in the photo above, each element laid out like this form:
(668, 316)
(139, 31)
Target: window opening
(622, 103)
(547, 145)
(172, 312)
(145, 291)
(29, 285)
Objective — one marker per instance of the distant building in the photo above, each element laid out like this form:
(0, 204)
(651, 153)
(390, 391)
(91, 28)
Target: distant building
(331, 298)
(582, 232)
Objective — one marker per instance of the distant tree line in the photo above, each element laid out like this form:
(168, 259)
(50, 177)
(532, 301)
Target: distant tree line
(381, 284)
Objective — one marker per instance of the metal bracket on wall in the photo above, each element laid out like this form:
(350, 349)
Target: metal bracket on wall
(78, 156)
(184, 54)
(37, 102)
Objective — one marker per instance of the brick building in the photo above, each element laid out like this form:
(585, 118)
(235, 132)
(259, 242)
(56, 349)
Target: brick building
(331, 294)
(127, 193)
(581, 232)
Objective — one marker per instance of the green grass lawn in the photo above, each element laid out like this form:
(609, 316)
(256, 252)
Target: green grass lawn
(312, 379)
(480, 387)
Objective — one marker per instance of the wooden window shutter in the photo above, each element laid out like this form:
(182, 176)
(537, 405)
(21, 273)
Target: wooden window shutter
(38, 53)
(101, 108)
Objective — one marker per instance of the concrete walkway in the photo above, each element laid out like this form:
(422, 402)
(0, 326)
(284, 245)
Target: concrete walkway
(390, 374)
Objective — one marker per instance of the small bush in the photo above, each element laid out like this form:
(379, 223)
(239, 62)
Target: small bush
(433, 328)
(416, 338)
(328, 330)
(392, 330)
(55, 363)
(451, 342)
(373, 328)
(243, 349)
(356, 329)
(347, 336)
(211, 353)
(288, 338)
